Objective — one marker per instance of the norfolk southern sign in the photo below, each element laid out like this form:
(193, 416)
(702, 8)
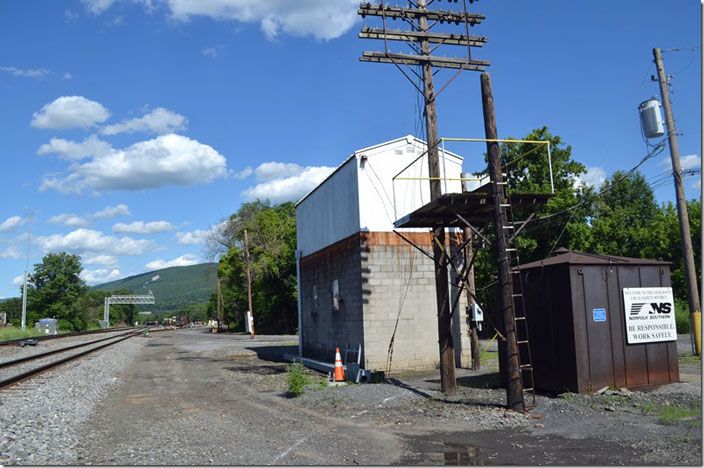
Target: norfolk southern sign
(650, 315)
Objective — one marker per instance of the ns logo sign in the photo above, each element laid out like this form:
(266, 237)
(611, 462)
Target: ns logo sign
(651, 308)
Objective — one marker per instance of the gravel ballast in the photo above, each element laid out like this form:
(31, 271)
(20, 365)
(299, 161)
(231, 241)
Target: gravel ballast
(39, 416)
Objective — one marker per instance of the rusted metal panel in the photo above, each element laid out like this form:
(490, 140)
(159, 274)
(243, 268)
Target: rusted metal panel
(616, 323)
(575, 345)
(636, 358)
(599, 350)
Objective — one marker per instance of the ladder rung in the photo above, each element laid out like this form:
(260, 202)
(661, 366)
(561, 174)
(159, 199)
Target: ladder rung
(528, 389)
(516, 295)
(509, 227)
(505, 205)
(522, 342)
(519, 318)
(511, 250)
(526, 366)
(501, 183)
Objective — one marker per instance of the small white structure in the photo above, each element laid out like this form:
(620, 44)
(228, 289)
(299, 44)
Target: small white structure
(359, 282)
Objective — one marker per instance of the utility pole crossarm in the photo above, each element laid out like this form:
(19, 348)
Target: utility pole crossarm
(418, 36)
(410, 59)
(393, 12)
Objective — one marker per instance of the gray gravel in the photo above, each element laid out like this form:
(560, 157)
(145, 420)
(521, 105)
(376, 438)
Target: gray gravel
(38, 416)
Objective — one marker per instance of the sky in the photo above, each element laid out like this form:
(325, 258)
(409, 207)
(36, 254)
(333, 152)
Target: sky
(132, 128)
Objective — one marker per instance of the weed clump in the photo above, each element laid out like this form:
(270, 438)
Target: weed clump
(297, 378)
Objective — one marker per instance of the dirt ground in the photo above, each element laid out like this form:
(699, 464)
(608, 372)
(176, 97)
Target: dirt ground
(194, 398)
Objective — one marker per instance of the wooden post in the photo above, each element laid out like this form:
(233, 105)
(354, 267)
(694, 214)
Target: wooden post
(447, 349)
(468, 251)
(249, 281)
(690, 274)
(514, 384)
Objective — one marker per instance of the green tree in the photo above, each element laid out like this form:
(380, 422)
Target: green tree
(625, 214)
(13, 308)
(271, 232)
(562, 222)
(55, 290)
(663, 242)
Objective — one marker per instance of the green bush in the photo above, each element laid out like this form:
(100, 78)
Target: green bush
(682, 316)
(297, 377)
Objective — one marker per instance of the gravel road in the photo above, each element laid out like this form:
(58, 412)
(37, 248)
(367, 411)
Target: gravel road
(193, 398)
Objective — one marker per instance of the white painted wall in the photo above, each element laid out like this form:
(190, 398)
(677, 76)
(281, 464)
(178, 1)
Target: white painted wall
(383, 201)
(360, 194)
(330, 212)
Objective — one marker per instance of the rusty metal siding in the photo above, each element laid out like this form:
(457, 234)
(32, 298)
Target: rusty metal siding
(573, 352)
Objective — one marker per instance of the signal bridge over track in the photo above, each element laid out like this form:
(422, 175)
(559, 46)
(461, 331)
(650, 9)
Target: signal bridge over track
(124, 299)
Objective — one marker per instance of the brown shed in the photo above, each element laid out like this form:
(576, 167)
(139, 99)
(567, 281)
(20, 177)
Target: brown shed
(575, 310)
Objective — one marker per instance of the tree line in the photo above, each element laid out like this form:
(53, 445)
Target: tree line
(619, 217)
(55, 290)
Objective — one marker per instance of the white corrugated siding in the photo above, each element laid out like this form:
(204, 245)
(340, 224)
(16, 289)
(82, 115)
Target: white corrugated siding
(329, 213)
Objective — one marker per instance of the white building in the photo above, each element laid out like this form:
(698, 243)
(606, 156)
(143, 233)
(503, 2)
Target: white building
(359, 282)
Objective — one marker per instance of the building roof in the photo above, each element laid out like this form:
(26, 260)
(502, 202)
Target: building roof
(573, 257)
(409, 139)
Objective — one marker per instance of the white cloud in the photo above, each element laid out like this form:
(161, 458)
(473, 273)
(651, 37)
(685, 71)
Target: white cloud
(83, 241)
(289, 188)
(70, 16)
(210, 52)
(110, 212)
(11, 252)
(107, 260)
(159, 121)
(199, 236)
(322, 19)
(244, 173)
(73, 220)
(101, 275)
(183, 260)
(687, 162)
(18, 280)
(97, 6)
(165, 160)
(70, 219)
(11, 223)
(70, 112)
(140, 227)
(67, 149)
(595, 176)
(38, 73)
(276, 170)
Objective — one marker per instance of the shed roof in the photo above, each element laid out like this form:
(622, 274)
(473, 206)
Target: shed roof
(573, 257)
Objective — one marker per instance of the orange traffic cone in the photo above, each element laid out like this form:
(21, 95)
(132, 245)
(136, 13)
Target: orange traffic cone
(339, 371)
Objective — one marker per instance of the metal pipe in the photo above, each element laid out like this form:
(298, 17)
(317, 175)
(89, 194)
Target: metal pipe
(552, 186)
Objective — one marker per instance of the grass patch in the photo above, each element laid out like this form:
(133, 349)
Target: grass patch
(297, 377)
(488, 356)
(673, 414)
(689, 357)
(15, 333)
(682, 316)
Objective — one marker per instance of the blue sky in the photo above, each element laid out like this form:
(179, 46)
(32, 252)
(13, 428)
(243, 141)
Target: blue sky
(133, 127)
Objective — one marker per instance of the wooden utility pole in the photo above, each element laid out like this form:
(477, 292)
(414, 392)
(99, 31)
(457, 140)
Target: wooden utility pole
(690, 274)
(249, 281)
(468, 254)
(514, 384)
(419, 39)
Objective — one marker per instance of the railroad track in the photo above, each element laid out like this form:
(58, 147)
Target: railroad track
(65, 335)
(17, 370)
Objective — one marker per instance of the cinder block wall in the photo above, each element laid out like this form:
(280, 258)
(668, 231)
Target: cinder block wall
(322, 328)
(397, 277)
(378, 274)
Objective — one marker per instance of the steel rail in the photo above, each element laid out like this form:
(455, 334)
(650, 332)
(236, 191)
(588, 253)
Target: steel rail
(43, 368)
(64, 335)
(32, 357)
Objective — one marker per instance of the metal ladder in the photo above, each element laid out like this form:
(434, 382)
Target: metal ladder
(525, 362)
